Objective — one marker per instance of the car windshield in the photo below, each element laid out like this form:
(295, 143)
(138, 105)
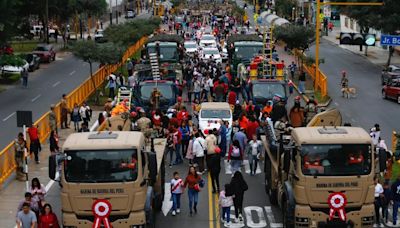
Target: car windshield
(100, 166)
(166, 52)
(208, 37)
(165, 90)
(215, 114)
(41, 48)
(268, 90)
(190, 45)
(396, 70)
(211, 51)
(336, 159)
(247, 52)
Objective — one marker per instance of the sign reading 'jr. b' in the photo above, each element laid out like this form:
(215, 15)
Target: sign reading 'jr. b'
(390, 40)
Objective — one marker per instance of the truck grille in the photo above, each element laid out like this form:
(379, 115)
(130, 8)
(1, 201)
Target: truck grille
(112, 218)
(326, 210)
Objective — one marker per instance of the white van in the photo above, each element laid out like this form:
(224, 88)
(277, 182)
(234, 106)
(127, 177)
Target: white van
(211, 112)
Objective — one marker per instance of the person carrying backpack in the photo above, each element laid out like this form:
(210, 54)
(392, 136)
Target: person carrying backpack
(235, 156)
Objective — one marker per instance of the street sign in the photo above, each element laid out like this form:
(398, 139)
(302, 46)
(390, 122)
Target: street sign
(24, 118)
(390, 40)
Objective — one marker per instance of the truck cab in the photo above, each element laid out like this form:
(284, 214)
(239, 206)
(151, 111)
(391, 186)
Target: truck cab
(167, 89)
(314, 164)
(116, 167)
(263, 90)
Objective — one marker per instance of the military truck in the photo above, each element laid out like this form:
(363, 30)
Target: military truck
(115, 167)
(170, 52)
(242, 48)
(321, 176)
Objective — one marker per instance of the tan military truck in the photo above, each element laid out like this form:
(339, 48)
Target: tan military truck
(113, 166)
(322, 177)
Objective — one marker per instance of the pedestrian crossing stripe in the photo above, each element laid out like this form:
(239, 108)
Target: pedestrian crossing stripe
(246, 165)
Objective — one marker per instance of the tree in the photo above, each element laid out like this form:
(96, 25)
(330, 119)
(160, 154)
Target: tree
(296, 37)
(284, 7)
(8, 19)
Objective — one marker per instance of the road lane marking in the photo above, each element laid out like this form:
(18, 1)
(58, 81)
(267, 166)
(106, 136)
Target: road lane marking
(210, 203)
(260, 214)
(271, 219)
(73, 72)
(9, 116)
(35, 98)
(353, 120)
(56, 84)
(218, 212)
(336, 104)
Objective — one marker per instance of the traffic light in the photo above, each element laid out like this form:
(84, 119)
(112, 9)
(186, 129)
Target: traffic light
(357, 39)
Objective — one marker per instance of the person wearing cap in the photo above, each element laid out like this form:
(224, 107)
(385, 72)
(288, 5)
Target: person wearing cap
(53, 118)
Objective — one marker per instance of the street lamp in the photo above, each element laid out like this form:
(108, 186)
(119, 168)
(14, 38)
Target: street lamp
(110, 4)
(293, 13)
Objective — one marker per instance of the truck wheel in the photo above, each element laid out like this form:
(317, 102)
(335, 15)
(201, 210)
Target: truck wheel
(286, 222)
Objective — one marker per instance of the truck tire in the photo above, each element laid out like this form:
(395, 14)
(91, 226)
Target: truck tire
(268, 186)
(286, 222)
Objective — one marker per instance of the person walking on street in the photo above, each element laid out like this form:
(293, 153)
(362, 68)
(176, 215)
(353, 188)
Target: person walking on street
(86, 113)
(185, 132)
(38, 191)
(64, 112)
(241, 137)
(48, 219)
(222, 141)
(375, 134)
(386, 199)
(396, 198)
(33, 205)
(292, 68)
(171, 147)
(75, 116)
(19, 156)
(238, 186)
(111, 85)
(213, 159)
(235, 156)
(302, 82)
(129, 66)
(54, 148)
(254, 152)
(198, 151)
(26, 218)
(192, 182)
(176, 192)
(24, 76)
(226, 202)
(34, 146)
(377, 203)
(53, 118)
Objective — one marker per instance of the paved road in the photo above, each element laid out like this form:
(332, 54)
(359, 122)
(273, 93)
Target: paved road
(368, 107)
(45, 87)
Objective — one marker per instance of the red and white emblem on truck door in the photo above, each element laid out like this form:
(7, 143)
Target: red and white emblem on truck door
(337, 201)
(101, 210)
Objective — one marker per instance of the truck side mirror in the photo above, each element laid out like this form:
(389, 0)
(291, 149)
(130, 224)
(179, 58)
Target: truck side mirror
(152, 166)
(382, 160)
(52, 167)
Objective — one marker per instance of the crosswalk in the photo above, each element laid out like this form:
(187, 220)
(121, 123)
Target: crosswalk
(245, 166)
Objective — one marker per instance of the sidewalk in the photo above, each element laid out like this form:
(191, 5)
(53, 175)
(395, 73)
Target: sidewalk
(376, 55)
(14, 192)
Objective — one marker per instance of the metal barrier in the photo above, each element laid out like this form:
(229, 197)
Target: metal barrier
(78, 96)
(320, 79)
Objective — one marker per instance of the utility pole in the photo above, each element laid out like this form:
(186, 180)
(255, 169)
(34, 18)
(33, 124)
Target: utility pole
(46, 29)
(116, 11)
(110, 12)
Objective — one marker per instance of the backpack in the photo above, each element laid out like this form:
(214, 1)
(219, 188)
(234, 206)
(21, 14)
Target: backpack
(235, 152)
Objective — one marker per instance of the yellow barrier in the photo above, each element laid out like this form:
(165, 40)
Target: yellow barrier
(320, 80)
(78, 96)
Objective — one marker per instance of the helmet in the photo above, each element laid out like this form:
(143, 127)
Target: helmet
(133, 114)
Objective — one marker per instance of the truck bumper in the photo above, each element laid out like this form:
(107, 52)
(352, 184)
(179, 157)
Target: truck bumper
(134, 219)
(358, 218)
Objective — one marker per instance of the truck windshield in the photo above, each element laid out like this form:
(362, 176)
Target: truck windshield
(166, 52)
(268, 90)
(101, 166)
(215, 114)
(247, 52)
(165, 90)
(336, 159)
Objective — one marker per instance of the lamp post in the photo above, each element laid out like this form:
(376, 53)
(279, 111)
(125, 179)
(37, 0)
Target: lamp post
(110, 4)
(116, 11)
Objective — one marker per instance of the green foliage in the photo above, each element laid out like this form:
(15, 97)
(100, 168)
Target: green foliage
(128, 33)
(284, 7)
(8, 19)
(166, 38)
(11, 60)
(86, 50)
(243, 37)
(295, 36)
(109, 53)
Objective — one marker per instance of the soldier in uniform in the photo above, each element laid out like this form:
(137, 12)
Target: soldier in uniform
(108, 107)
(143, 124)
(155, 98)
(64, 112)
(20, 146)
(53, 119)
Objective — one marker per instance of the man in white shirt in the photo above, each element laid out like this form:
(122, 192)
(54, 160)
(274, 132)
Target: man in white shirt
(85, 111)
(377, 203)
(199, 145)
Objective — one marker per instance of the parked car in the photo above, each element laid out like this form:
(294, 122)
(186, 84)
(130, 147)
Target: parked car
(211, 113)
(33, 61)
(130, 14)
(392, 90)
(99, 36)
(8, 69)
(46, 52)
(390, 73)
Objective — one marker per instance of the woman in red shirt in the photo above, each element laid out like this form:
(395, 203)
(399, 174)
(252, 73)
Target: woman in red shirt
(192, 181)
(48, 219)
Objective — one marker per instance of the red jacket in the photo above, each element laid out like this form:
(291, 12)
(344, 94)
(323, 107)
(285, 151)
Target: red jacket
(232, 98)
(174, 122)
(182, 115)
(46, 220)
(251, 129)
(33, 133)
